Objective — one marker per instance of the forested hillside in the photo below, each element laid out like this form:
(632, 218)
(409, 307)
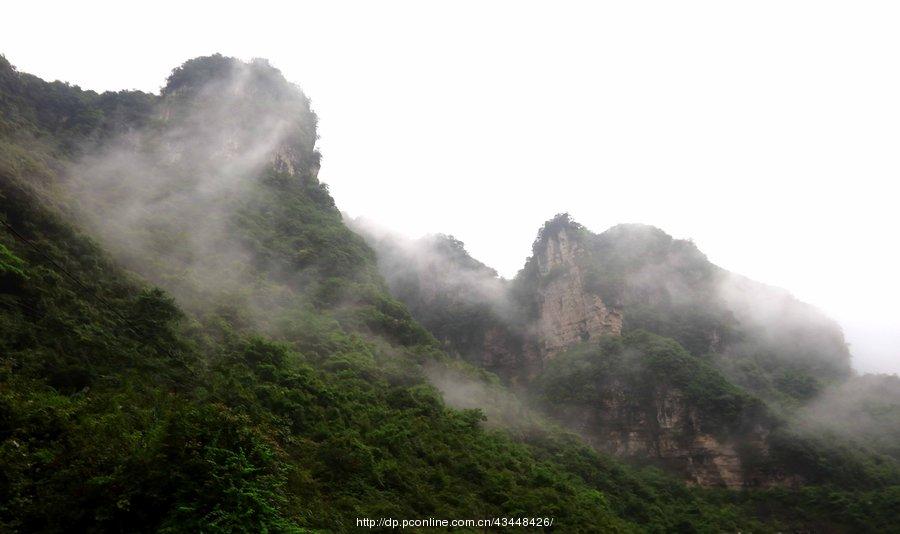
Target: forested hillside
(192, 340)
(639, 344)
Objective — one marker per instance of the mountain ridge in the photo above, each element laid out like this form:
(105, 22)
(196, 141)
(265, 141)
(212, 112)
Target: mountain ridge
(578, 289)
(273, 383)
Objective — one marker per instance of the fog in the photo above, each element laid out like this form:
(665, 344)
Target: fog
(783, 350)
(437, 278)
(163, 197)
(867, 408)
(501, 407)
(764, 131)
(436, 265)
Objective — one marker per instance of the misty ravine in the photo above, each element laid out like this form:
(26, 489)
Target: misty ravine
(194, 338)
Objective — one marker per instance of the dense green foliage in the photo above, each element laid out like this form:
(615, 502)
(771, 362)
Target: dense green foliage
(457, 298)
(762, 338)
(642, 368)
(124, 410)
(742, 378)
(120, 414)
(642, 364)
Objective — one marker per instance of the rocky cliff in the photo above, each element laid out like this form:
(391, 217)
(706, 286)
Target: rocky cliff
(669, 432)
(578, 289)
(293, 394)
(645, 418)
(568, 314)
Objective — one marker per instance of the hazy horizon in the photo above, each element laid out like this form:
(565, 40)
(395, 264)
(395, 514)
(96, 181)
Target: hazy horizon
(767, 134)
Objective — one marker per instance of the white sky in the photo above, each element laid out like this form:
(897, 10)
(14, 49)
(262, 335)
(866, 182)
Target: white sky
(768, 132)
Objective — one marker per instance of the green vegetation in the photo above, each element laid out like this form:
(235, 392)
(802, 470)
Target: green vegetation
(763, 339)
(639, 369)
(641, 364)
(120, 413)
(460, 306)
(294, 400)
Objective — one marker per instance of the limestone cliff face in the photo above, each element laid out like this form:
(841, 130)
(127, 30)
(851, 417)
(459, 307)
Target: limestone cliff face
(568, 314)
(521, 329)
(660, 424)
(667, 430)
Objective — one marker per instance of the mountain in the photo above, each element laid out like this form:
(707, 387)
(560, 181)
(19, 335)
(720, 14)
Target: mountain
(191, 339)
(638, 343)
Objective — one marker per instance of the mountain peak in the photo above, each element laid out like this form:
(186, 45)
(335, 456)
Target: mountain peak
(195, 74)
(559, 224)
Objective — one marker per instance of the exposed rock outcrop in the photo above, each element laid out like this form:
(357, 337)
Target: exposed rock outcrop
(568, 313)
(667, 430)
(576, 290)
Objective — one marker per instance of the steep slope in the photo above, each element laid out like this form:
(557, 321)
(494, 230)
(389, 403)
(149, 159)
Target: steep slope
(578, 286)
(461, 301)
(642, 396)
(279, 388)
(565, 311)
(721, 412)
(760, 336)
(866, 408)
(120, 412)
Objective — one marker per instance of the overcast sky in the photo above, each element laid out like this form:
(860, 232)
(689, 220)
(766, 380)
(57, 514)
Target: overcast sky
(767, 132)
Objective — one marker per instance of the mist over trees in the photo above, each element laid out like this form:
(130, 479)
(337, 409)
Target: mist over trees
(192, 339)
(751, 362)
